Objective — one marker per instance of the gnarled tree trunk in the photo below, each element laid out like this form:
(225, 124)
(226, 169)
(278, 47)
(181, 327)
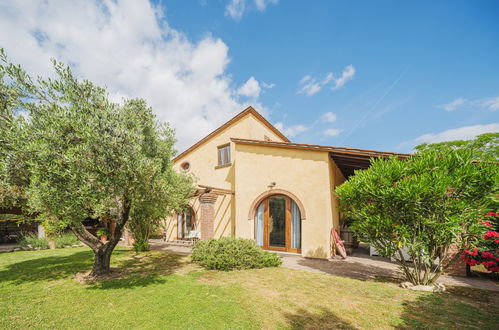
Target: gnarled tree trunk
(103, 250)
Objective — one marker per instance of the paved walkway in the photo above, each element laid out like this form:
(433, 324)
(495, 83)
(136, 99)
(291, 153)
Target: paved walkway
(8, 247)
(359, 266)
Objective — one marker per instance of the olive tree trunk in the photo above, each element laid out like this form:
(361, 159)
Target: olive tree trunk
(103, 250)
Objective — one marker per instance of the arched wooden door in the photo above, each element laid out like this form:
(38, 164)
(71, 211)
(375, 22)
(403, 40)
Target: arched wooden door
(278, 224)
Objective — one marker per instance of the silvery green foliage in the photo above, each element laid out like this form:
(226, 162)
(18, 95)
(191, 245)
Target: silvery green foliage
(89, 157)
(423, 204)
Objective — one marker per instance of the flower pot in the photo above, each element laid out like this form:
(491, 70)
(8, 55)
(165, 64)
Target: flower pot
(52, 244)
(103, 238)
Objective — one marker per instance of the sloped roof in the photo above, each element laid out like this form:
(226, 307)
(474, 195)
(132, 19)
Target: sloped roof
(248, 110)
(347, 159)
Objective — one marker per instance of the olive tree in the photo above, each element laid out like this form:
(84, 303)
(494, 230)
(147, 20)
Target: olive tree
(423, 204)
(91, 158)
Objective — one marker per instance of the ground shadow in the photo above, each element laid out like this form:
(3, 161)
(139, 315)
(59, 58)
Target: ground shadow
(48, 268)
(132, 269)
(321, 319)
(141, 270)
(351, 269)
(458, 308)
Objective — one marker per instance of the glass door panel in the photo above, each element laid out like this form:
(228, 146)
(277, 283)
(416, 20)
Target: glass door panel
(277, 222)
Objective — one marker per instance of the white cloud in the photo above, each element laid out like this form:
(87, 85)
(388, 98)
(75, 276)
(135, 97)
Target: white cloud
(462, 133)
(332, 132)
(310, 85)
(491, 103)
(329, 117)
(453, 105)
(250, 89)
(236, 8)
(291, 131)
(128, 47)
(347, 75)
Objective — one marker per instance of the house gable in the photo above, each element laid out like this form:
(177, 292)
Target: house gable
(202, 158)
(270, 132)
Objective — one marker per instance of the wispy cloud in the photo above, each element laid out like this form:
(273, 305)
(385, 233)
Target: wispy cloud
(347, 75)
(331, 132)
(292, 130)
(453, 105)
(491, 103)
(311, 85)
(237, 8)
(261, 5)
(328, 117)
(461, 133)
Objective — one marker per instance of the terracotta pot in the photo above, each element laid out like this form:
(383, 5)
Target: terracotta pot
(103, 238)
(52, 244)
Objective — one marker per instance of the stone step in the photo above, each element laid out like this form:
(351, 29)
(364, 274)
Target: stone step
(180, 243)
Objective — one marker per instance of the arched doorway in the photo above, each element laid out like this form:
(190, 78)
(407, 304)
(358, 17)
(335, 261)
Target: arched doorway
(186, 223)
(278, 224)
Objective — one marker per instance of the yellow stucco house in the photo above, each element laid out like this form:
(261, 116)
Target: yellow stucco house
(253, 182)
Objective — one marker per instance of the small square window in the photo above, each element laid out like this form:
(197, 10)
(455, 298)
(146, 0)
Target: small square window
(224, 155)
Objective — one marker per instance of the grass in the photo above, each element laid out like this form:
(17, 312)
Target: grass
(160, 290)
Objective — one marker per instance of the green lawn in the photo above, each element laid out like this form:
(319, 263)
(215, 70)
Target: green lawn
(159, 290)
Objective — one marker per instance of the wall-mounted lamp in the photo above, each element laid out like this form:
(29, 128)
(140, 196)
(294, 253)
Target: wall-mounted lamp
(271, 185)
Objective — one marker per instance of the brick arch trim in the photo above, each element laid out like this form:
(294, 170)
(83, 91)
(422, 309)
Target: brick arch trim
(268, 193)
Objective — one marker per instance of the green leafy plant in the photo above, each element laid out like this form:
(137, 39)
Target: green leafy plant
(65, 239)
(424, 204)
(102, 232)
(32, 239)
(228, 253)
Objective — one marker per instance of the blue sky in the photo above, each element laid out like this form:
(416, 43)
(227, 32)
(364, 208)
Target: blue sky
(383, 75)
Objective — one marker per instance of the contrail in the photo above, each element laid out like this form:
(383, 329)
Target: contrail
(373, 107)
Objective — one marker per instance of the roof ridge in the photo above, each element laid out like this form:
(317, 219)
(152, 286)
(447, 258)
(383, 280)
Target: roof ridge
(248, 110)
(320, 147)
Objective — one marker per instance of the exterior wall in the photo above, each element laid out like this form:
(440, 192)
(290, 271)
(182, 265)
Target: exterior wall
(203, 166)
(306, 174)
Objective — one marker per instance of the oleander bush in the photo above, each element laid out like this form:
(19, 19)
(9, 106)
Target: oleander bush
(228, 253)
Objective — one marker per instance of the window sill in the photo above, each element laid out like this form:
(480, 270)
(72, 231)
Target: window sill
(222, 166)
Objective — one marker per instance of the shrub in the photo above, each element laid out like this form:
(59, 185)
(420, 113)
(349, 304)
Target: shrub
(33, 240)
(65, 239)
(228, 253)
(486, 251)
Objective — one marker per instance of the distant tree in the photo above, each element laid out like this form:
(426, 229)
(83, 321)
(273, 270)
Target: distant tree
(423, 204)
(90, 158)
(483, 147)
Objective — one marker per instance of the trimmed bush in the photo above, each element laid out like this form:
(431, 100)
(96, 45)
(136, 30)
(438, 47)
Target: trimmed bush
(228, 253)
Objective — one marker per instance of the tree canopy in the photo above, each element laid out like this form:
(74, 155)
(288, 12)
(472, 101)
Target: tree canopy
(423, 204)
(87, 157)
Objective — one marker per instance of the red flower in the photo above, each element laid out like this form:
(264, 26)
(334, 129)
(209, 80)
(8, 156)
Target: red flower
(487, 255)
(496, 241)
(491, 214)
(486, 223)
(490, 234)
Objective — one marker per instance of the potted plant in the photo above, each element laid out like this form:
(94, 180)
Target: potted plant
(103, 234)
